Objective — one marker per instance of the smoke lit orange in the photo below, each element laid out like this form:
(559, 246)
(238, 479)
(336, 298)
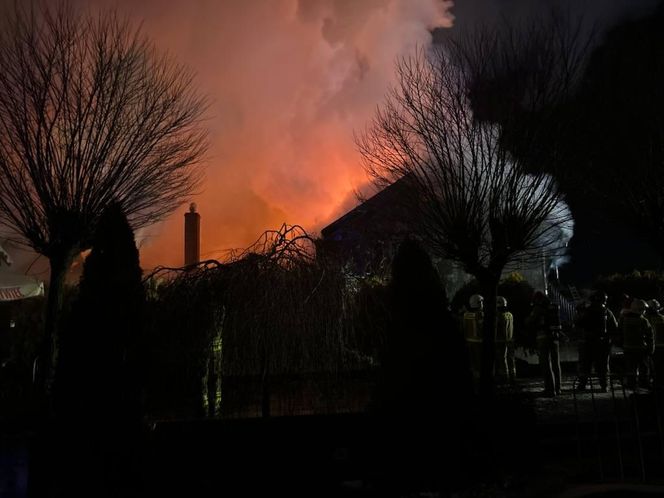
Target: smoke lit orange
(289, 81)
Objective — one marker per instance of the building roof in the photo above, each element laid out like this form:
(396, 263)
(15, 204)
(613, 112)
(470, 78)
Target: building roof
(381, 215)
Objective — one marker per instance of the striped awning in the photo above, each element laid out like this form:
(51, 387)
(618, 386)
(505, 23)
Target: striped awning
(30, 289)
(13, 284)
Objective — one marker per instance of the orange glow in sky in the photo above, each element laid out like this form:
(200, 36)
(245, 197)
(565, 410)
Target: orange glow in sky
(289, 82)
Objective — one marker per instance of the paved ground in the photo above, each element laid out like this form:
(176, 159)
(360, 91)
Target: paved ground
(588, 444)
(557, 420)
(571, 405)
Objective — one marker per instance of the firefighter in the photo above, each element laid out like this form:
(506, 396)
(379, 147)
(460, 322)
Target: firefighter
(656, 320)
(505, 368)
(544, 320)
(638, 343)
(597, 325)
(473, 321)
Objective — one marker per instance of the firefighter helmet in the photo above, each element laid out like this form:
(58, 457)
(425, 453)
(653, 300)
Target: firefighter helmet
(476, 301)
(501, 302)
(654, 304)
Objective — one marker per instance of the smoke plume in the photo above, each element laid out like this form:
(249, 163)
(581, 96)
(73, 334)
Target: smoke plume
(289, 81)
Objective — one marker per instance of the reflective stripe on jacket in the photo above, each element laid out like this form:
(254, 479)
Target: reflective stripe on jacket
(472, 325)
(504, 326)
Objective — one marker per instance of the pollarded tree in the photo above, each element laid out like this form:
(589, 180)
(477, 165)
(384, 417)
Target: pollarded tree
(90, 115)
(474, 203)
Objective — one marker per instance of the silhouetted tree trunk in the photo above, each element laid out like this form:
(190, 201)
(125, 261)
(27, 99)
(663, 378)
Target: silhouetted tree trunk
(489, 289)
(59, 264)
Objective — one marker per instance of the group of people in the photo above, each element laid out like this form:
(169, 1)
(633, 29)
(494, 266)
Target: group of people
(473, 323)
(639, 330)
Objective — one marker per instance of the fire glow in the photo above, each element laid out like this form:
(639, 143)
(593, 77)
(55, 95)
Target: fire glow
(289, 82)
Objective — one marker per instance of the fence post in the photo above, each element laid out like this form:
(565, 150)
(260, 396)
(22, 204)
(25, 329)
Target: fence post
(617, 426)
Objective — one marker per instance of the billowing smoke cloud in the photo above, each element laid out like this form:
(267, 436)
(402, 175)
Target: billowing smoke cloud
(290, 81)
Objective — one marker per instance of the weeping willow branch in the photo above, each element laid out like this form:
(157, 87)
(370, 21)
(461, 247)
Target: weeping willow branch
(285, 309)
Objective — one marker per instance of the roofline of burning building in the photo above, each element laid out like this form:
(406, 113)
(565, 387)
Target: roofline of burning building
(386, 199)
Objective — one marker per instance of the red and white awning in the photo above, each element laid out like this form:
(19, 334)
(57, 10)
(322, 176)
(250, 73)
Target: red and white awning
(14, 285)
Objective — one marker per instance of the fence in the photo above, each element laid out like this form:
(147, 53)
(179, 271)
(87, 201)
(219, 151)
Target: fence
(567, 305)
(620, 436)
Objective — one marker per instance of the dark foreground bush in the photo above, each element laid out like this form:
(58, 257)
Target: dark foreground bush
(425, 388)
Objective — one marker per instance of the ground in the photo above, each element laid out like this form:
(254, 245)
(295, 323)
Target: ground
(574, 443)
(590, 444)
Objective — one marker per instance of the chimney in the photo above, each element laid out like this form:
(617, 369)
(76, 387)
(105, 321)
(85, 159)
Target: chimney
(192, 236)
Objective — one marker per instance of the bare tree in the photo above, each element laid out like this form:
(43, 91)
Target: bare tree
(474, 202)
(90, 115)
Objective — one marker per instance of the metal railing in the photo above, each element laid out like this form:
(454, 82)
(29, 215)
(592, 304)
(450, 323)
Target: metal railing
(567, 305)
(620, 437)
